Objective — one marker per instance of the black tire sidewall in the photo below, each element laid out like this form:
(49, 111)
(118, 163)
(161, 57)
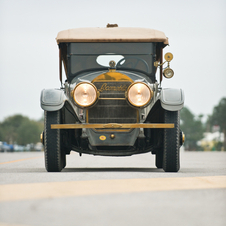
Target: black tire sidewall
(52, 143)
(171, 150)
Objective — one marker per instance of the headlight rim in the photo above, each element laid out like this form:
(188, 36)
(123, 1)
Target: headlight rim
(135, 105)
(73, 94)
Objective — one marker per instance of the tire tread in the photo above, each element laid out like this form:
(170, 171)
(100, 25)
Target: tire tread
(53, 161)
(171, 158)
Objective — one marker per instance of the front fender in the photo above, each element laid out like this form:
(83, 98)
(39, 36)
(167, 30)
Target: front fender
(52, 99)
(172, 99)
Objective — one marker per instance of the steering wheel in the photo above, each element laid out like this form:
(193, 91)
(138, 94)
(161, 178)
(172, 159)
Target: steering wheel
(134, 65)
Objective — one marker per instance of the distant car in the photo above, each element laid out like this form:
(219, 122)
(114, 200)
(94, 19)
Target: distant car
(4, 147)
(112, 102)
(1, 146)
(38, 146)
(19, 148)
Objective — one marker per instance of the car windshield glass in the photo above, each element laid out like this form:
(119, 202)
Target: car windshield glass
(84, 56)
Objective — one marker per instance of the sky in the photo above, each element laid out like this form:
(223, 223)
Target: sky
(29, 53)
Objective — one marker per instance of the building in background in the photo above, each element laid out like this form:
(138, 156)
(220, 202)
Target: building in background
(212, 141)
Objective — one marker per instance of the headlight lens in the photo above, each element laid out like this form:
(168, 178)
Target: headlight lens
(85, 94)
(168, 73)
(139, 94)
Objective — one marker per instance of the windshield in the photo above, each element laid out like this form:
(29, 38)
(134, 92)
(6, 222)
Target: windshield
(127, 56)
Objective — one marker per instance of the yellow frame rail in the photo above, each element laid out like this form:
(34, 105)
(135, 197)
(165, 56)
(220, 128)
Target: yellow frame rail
(113, 126)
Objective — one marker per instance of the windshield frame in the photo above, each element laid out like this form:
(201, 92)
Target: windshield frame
(135, 50)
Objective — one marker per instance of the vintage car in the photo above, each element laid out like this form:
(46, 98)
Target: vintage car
(112, 102)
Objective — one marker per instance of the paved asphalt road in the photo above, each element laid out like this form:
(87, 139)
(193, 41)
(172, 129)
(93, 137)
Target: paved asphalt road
(106, 191)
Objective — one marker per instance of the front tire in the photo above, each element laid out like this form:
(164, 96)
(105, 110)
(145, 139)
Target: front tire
(171, 151)
(55, 159)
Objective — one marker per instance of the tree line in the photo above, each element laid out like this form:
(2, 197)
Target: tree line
(21, 130)
(193, 127)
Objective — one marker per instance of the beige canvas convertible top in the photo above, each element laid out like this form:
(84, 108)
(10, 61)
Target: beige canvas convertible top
(112, 34)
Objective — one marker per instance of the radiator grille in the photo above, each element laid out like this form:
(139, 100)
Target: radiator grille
(112, 106)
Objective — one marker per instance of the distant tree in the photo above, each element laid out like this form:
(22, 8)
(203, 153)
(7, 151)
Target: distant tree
(218, 117)
(10, 126)
(28, 132)
(1, 133)
(21, 130)
(192, 127)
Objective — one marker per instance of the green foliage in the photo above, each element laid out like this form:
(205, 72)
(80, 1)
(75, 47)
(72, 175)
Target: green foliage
(219, 118)
(192, 127)
(20, 130)
(219, 115)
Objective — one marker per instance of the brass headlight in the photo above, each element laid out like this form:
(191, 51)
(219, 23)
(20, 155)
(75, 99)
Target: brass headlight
(139, 94)
(168, 73)
(85, 94)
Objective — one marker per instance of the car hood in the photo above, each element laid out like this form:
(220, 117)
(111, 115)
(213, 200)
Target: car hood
(111, 75)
